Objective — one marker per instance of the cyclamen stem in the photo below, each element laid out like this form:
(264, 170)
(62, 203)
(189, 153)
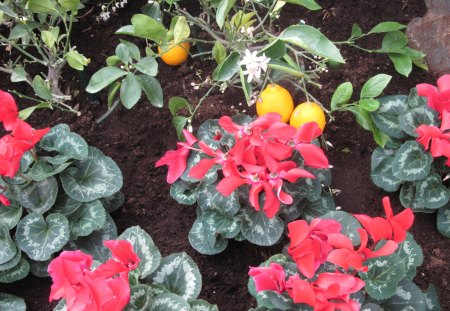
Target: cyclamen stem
(108, 112)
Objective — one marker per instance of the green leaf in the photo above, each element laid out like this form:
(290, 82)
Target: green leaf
(350, 224)
(133, 49)
(169, 302)
(211, 199)
(179, 274)
(181, 30)
(89, 217)
(387, 116)
(42, 170)
(341, 96)
(226, 70)
(443, 220)
(144, 247)
(179, 123)
(375, 86)
(140, 297)
(411, 253)
(309, 4)
(49, 37)
(8, 248)
(95, 177)
(413, 118)
(184, 192)
(408, 198)
(393, 42)
(383, 177)
(402, 63)
(386, 27)
(356, 31)
(217, 222)
(201, 305)
(13, 262)
(177, 103)
(113, 202)
(407, 297)
(317, 208)
(219, 52)
(41, 6)
(41, 88)
(246, 86)
(76, 60)
(152, 90)
(71, 5)
(260, 230)
(123, 53)
(148, 66)
(383, 276)
(222, 11)
(26, 113)
(284, 67)
(112, 92)
(202, 242)
(431, 193)
(65, 205)
(39, 268)
(16, 273)
(10, 215)
(126, 30)
(311, 39)
(39, 237)
(19, 74)
(431, 299)
(112, 60)
(11, 302)
(369, 104)
(274, 50)
(130, 91)
(39, 196)
(8, 11)
(67, 144)
(148, 28)
(103, 78)
(411, 162)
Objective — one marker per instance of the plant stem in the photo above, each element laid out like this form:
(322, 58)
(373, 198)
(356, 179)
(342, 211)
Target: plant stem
(108, 112)
(24, 52)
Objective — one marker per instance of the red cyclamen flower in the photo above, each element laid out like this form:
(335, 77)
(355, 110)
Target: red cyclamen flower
(8, 110)
(269, 278)
(438, 99)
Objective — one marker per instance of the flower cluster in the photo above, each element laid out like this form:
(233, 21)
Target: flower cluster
(22, 138)
(114, 5)
(260, 158)
(254, 64)
(105, 288)
(431, 137)
(311, 245)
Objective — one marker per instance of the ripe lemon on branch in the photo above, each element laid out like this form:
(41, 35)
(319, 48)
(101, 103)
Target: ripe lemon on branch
(174, 54)
(308, 112)
(275, 98)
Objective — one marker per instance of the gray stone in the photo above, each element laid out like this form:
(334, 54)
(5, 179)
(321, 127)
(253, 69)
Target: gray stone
(431, 35)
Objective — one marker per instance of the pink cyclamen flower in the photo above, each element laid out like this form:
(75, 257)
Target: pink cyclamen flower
(269, 278)
(438, 99)
(176, 160)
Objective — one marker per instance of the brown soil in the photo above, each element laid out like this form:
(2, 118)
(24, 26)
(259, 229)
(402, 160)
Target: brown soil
(137, 138)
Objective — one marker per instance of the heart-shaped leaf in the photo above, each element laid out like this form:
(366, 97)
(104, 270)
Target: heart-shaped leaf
(113, 202)
(411, 162)
(66, 143)
(260, 230)
(383, 177)
(413, 118)
(443, 221)
(89, 217)
(10, 215)
(8, 248)
(202, 241)
(386, 118)
(169, 302)
(11, 302)
(407, 297)
(13, 262)
(431, 193)
(210, 198)
(39, 196)
(65, 205)
(19, 272)
(411, 252)
(349, 224)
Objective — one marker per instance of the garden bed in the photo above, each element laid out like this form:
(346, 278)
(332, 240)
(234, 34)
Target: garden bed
(137, 138)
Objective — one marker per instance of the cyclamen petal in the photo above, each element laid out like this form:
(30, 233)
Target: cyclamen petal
(313, 155)
(301, 291)
(4, 200)
(201, 169)
(228, 184)
(269, 278)
(307, 132)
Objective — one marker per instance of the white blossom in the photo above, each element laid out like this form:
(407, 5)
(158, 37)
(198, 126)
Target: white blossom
(254, 65)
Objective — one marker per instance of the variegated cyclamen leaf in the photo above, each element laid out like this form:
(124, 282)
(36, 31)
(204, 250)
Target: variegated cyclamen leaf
(431, 193)
(323, 175)
(65, 205)
(202, 242)
(304, 188)
(39, 268)
(61, 306)
(443, 221)
(11, 302)
(260, 230)
(8, 248)
(383, 177)
(371, 307)
(26, 161)
(317, 208)
(113, 202)
(179, 274)
(407, 297)
(42, 170)
(13, 262)
(413, 118)
(56, 160)
(95, 177)
(408, 198)
(350, 224)
(291, 212)
(411, 162)
(193, 159)
(216, 222)
(184, 192)
(140, 297)
(10, 215)
(386, 117)
(272, 299)
(379, 155)
(18, 272)
(168, 302)
(201, 305)
(89, 217)
(93, 243)
(210, 198)
(241, 119)
(39, 196)
(209, 129)
(383, 276)
(39, 237)
(66, 143)
(414, 100)
(144, 247)
(431, 299)
(411, 252)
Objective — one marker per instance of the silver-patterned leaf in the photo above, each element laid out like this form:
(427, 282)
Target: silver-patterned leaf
(317, 208)
(260, 230)
(431, 193)
(65, 205)
(168, 302)
(350, 224)
(193, 159)
(18, 272)
(179, 274)
(202, 242)
(89, 217)
(39, 268)
(184, 192)
(371, 307)
(13, 262)
(411, 252)
(407, 297)
(39, 196)
(443, 221)
(413, 118)
(10, 215)
(414, 100)
(113, 202)
(95, 177)
(431, 299)
(411, 162)
(383, 276)
(408, 198)
(11, 302)
(201, 305)
(210, 198)
(217, 222)
(304, 188)
(61, 306)
(42, 170)
(379, 155)
(140, 296)
(8, 248)
(383, 177)
(272, 299)
(209, 129)
(144, 247)
(66, 143)
(386, 117)
(39, 237)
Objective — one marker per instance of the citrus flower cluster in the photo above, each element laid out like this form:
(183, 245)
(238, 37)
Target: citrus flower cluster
(321, 241)
(437, 139)
(261, 157)
(103, 289)
(22, 138)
